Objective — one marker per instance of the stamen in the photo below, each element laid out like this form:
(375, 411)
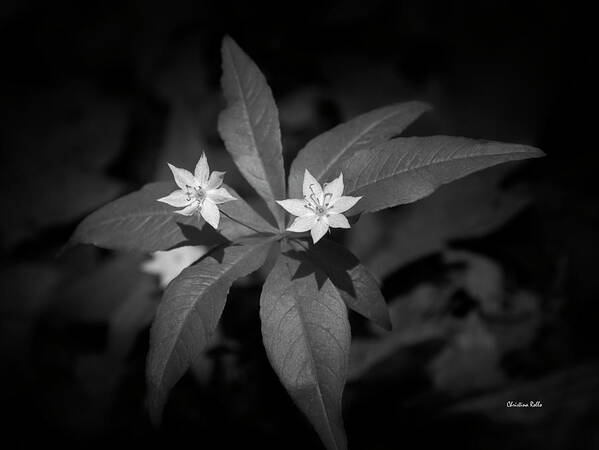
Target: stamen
(307, 204)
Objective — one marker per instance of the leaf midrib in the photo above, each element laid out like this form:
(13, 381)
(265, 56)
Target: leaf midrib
(251, 128)
(313, 364)
(127, 217)
(421, 166)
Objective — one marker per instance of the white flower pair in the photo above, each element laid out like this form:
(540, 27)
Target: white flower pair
(321, 207)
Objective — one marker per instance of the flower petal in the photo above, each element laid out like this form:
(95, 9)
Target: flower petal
(188, 210)
(215, 180)
(334, 188)
(343, 204)
(303, 223)
(294, 206)
(202, 171)
(338, 221)
(210, 213)
(220, 195)
(319, 230)
(178, 199)
(312, 186)
(183, 177)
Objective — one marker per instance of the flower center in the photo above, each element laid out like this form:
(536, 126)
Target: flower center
(314, 204)
(320, 210)
(196, 193)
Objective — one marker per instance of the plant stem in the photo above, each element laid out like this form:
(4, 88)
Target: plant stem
(240, 223)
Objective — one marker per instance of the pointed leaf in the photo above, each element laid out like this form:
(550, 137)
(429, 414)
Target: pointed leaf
(323, 155)
(354, 282)
(189, 313)
(250, 126)
(139, 222)
(404, 170)
(307, 337)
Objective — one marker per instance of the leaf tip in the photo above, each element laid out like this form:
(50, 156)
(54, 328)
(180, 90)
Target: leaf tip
(385, 321)
(424, 106)
(228, 44)
(529, 152)
(78, 237)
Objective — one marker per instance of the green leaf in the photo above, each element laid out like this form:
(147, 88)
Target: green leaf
(323, 155)
(250, 126)
(139, 222)
(189, 313)
(404, 170)
(354, 282)
(307, 338)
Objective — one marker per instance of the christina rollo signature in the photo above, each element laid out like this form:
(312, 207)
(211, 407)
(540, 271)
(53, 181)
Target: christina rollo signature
(531, 404)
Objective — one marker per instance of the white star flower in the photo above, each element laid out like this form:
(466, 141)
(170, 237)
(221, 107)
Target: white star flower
(320, 208)
(200, 192)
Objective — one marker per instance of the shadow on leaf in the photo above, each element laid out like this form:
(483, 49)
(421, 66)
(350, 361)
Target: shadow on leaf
(199, 236)
(325, 264)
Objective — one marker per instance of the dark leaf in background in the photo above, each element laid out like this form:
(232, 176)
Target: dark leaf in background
(50, 196)
(95, 294)
(307, 338)
(250, 126)
(190, 311)
(21, 305)
(28, 299)
(131, 317)
(404, 170)
(471, 362)
(472, 337)
(467, 208)
(417, 318)
(323, 155)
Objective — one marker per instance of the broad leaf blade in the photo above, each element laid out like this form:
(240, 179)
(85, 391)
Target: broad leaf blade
(404, 170)
(323, 155)
(189, 313)
(307, 337)
(139, 222)
(250, 126)
(354, 282)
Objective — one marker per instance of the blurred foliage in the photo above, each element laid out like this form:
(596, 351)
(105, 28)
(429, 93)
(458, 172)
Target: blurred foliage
(490, 281)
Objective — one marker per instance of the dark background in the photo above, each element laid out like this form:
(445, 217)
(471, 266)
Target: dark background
(491, 281)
